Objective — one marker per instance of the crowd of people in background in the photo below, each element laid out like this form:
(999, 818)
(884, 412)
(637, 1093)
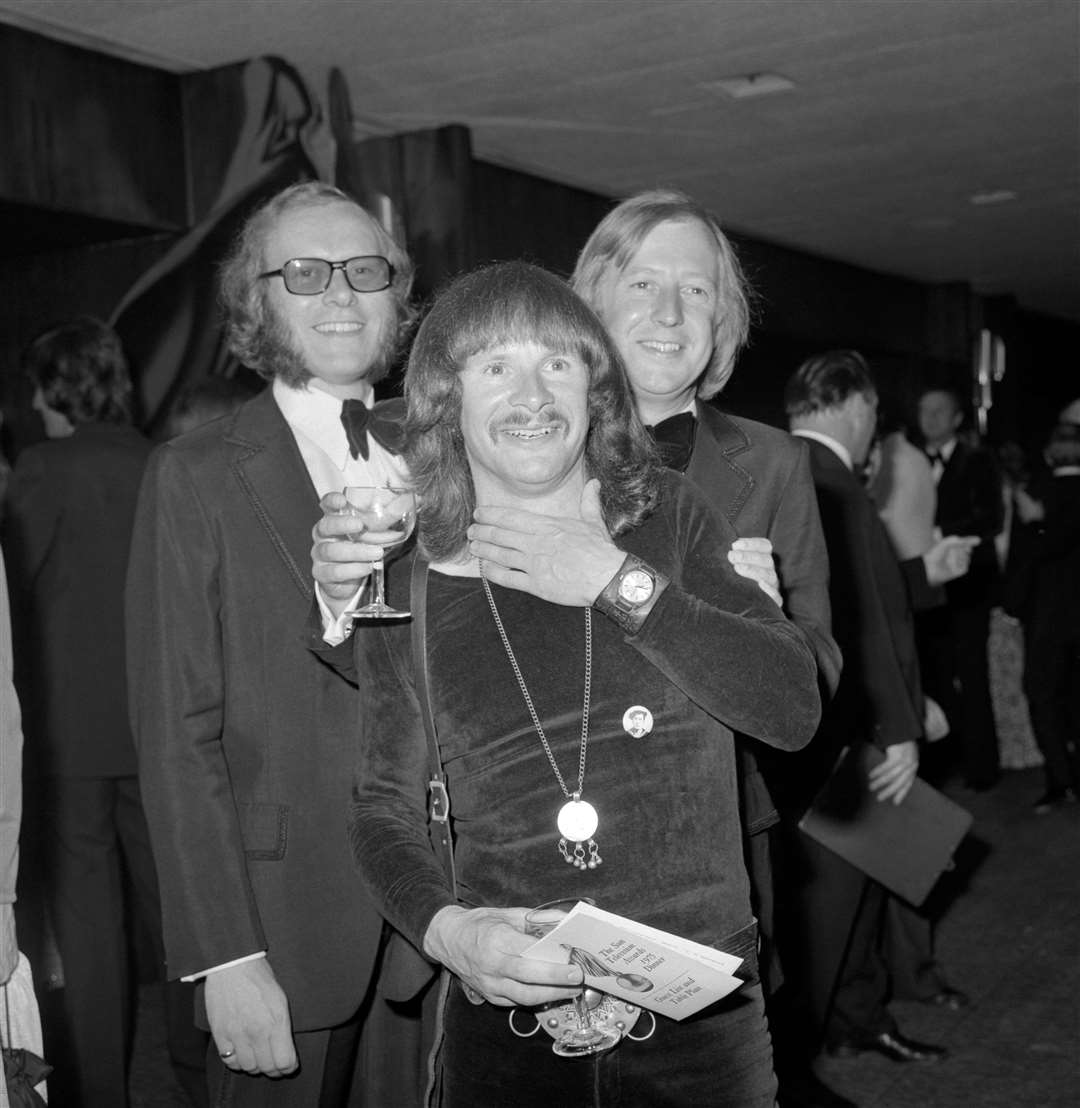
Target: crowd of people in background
(226, 768)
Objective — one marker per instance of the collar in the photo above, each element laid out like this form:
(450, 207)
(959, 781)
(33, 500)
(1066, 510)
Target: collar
(838, 448)
(317, 415)
(945, 451)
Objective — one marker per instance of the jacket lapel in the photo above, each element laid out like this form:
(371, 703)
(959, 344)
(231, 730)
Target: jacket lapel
(714, 465)
(272, 474)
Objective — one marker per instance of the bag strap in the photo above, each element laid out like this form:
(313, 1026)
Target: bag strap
(439, 798)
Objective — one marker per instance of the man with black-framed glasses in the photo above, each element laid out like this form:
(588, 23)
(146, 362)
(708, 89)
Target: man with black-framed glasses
(246, 742)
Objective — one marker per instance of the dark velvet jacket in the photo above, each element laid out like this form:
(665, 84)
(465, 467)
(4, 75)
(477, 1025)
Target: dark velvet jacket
(715, 654)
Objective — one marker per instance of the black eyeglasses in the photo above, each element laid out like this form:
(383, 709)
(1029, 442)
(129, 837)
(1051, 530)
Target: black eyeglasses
(310, 276)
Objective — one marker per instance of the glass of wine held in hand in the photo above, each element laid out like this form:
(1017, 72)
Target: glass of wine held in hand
(387, 516)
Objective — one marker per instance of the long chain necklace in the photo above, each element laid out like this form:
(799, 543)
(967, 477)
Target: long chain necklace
(577, 820)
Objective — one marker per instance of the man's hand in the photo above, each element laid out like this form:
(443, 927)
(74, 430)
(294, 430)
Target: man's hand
(753, 558)
(949, 558)
(1028, 508)
(893, 778)
(483, 946)
(564, 561)
(249, 1015)
(935, 722)
(339, 564)
(9, 947)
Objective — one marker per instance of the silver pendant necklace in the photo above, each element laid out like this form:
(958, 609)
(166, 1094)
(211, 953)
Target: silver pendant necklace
(577, 820)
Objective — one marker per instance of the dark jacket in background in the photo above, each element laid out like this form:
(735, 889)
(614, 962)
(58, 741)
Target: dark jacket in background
(70, 513)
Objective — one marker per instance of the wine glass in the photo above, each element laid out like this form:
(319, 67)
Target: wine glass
(387, 515)
(587, 1037)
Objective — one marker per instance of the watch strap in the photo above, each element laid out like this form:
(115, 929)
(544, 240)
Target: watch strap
(627, 615)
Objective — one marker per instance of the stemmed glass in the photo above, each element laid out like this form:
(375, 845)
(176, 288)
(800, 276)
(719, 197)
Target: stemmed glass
(587, 1037)
(387, 514)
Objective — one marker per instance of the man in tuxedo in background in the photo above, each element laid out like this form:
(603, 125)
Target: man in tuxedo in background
(246, 742)
(954, 639)
(836, 914)
(666, 283)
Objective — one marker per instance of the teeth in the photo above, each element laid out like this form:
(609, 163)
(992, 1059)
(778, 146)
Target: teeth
(529, 432)
(338, 328)
(663, 347)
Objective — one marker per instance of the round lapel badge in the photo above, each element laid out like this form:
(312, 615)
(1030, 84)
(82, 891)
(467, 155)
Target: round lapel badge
(637, 721)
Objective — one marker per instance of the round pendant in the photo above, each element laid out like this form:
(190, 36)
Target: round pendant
(578, 821)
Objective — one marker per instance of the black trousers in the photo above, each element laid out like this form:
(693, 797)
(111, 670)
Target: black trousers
(93, 829)
(1052, 687)
(956, 673)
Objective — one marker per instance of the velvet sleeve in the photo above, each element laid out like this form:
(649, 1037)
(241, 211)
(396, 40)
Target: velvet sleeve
(388, 813)
(721, 640)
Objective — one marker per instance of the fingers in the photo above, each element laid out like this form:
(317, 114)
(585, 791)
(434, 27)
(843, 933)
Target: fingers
(249, 1019)
(896, 788)
(756, 563)
(753, 544)
(483, 947)
(893, 778)
(271, 1055)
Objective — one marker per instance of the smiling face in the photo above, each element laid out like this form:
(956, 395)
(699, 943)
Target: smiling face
(524, 421)
(338, 336)
(660, 310)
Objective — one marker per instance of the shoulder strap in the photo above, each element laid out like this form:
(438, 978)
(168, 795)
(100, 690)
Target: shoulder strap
(439, 798)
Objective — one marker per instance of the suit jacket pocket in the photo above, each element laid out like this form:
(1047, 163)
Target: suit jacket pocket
(265, 828)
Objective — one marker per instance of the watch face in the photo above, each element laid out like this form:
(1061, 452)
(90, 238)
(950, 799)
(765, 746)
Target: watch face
(636, 587)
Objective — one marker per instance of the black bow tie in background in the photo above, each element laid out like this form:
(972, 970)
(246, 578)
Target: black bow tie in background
(675, 437)
(385, 423)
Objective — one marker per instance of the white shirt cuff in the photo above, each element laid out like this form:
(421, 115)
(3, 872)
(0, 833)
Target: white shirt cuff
(224, 965)
(336, 629)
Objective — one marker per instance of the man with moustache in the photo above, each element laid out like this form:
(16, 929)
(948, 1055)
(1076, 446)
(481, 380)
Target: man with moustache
(664, 280)
(245, 740)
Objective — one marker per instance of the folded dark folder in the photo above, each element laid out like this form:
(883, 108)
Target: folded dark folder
(903, 846)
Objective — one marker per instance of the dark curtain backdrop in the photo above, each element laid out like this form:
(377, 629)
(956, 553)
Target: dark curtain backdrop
(267, 132)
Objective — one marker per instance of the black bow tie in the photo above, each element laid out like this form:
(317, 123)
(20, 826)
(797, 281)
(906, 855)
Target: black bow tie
(675, 437)
(385, 423)
(935, 456)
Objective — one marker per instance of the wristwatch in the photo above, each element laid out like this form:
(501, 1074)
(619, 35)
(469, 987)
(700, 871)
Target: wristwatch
(630, 595)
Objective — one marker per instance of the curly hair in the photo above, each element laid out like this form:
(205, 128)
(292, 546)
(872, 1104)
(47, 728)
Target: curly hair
(618, 237)
(514, 302)
(81, 371)
(255, 334)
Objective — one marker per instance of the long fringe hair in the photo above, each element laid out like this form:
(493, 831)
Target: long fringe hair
(616, 240)
(514, 302)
